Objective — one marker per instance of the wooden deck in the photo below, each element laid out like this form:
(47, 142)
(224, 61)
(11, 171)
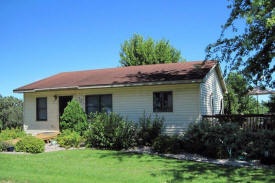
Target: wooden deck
(47, 136)
(246, 121)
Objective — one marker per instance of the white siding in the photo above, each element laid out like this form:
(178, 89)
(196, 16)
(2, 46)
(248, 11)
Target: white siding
(211, 86)
(29, 115)
(130, 102)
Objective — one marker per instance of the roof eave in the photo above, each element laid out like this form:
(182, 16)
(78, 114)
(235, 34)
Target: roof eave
(113, 85)
(219, 71)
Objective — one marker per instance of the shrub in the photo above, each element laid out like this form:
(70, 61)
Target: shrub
(74, 118)
(211, 139)
(167, 144)
(257, 145)
(225, 140)
(30, 144)
(149, 129)
(69, 139)
(4, 146)
(110, 131)
(10, 134)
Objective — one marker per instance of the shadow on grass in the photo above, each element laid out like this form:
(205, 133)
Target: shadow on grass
(122, 156)
(181, 170)
(189, 171)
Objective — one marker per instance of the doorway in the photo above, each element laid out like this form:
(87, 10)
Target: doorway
(63, 101)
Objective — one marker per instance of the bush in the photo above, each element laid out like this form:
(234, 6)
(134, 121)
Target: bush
(74, 118)
(167, 144)
(110, 131)
(257, 145)
(211, 139)
(69, 139)
(10, 134)
(30, 144)
(4, 146)
(149, 129)
(225, 140)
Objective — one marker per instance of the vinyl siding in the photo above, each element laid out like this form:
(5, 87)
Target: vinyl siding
(130, 102)
(211, 86)
(29, 113)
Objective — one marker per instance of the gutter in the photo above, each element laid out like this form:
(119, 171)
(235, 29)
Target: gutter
(113, 85)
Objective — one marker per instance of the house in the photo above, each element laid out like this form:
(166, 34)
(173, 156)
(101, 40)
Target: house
(180, 92)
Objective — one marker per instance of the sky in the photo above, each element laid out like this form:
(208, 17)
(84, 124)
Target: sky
(41, 38)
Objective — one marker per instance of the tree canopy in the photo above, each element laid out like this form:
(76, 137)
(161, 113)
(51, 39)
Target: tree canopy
(250, 51)
(271, 104)
(138, 51)
(237, 101)
(11, 112)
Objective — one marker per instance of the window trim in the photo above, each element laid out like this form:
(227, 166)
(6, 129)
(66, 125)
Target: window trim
(221, 106)
(37, 115)
(99, 102)
(172, 106)
(212, 104)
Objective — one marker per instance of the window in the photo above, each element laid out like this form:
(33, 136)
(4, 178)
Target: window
(221, 106)
(98, 103)
(41, 109)
(212, 104)
(163, 101)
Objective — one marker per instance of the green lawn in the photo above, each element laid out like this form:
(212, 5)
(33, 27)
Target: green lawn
(100, 166)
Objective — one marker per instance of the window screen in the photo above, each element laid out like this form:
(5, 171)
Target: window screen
(163, 102)
(98, 103)
(41, 109)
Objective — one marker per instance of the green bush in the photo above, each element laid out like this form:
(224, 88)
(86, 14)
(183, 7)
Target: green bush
(225, 140)
(211, 139)
(257, 145)
(110, 131)
(4, 146)
(149, 129)
(74, 118)
(167, 144)
(69, 139)
(30, 144)
(10, 134)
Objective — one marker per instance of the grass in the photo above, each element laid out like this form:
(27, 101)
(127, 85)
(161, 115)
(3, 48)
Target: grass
(102, 166)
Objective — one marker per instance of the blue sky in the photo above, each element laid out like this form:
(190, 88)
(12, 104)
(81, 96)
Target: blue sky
(42, 38)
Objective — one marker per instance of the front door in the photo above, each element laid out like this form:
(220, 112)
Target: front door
(63, 101)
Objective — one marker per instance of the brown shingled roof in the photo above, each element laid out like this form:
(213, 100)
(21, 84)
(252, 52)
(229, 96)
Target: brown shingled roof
(124, 75)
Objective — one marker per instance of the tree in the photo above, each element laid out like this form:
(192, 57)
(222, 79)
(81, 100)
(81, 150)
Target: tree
(74, 118)
(271, 104)
(250, 51)
(11, 112)
(237, 101)
(137, 51)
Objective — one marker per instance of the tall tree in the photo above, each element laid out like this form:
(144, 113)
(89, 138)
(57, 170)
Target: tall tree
(138, 51)
(11, 112)
(237, 101)
(271, 104)
(251, 50)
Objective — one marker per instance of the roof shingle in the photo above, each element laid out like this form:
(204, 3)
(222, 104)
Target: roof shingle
(124, 75)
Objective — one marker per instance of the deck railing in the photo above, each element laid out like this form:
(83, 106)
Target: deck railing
(246, 121)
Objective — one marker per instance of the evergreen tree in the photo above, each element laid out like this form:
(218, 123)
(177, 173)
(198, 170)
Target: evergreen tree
(74, 118)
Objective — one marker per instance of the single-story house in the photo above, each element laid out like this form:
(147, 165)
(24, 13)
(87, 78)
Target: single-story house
(180, 92)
